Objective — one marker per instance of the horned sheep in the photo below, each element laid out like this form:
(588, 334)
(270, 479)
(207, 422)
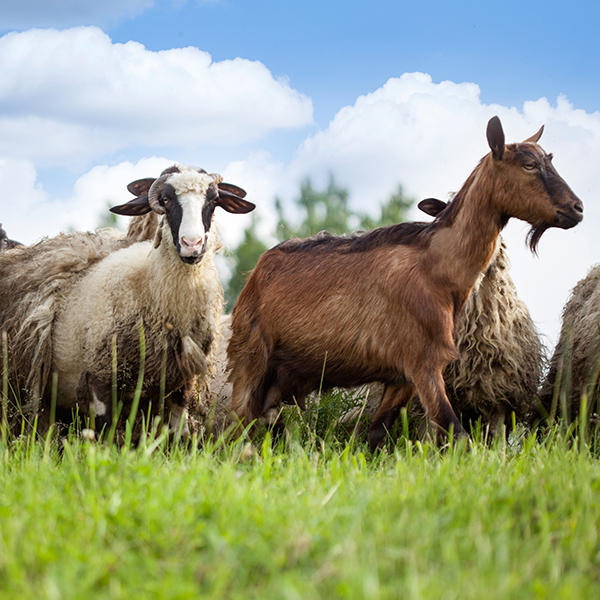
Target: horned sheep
(148, 308)
(342, 312)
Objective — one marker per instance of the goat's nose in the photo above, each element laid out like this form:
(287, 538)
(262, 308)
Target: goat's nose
(191, 244)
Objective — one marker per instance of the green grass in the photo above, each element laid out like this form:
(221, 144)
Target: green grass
(311, 518)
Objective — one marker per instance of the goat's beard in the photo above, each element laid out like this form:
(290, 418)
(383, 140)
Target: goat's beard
(534, 235)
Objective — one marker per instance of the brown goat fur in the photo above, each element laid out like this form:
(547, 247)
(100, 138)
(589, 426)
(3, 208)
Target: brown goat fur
(382, 306)
(501, 355)
(574, 368)
(497, 374)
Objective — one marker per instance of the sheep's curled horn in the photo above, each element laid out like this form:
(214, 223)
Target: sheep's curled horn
(156, 189)
(147, 192)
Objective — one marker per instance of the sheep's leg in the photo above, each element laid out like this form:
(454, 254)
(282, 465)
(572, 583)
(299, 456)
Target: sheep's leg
(98, 398)
(431, 389)
(395, 397)
(176, 406)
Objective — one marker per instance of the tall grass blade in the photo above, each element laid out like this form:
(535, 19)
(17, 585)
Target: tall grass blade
(4, 429)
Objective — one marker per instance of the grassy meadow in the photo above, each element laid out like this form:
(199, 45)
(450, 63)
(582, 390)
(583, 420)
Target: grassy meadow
(311, 516)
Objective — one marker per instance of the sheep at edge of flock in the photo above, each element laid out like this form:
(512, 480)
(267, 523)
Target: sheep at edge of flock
(575, 364)
(5, 243)
(76, 304)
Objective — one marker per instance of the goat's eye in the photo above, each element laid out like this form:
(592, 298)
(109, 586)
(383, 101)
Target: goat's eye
(529, 166)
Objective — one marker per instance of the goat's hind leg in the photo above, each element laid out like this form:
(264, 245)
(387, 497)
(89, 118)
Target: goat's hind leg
(395, 397)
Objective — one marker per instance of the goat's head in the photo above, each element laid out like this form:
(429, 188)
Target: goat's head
(187, 197)
(531, 188)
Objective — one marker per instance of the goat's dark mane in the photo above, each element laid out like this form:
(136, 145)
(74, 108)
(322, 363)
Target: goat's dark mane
(414, 233)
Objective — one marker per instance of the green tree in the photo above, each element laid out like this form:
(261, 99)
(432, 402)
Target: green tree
(243, 259)
(395, 210)
(108, 219)
(327, 210)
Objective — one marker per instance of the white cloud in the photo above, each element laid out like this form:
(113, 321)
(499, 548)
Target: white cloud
(23, 201)
(25, 14)
(70, 96)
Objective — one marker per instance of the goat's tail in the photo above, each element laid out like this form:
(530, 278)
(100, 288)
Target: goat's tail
(248, 362)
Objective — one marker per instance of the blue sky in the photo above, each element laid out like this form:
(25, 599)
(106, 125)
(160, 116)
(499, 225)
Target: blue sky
(335, 51)
(98, 93)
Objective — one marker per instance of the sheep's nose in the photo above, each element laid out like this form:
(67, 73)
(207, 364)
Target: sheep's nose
(191, 245)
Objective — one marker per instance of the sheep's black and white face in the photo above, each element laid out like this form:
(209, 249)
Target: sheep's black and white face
(189, 200)
(187, 197)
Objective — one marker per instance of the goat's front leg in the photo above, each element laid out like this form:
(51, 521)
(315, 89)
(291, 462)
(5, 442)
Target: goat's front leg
(431, 389)
(395, 397)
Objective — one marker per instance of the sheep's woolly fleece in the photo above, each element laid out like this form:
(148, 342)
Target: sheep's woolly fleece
(35, 280)
(575, 364)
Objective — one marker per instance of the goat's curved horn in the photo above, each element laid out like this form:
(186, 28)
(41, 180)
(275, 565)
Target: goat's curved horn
(154, 193)
(536, 136)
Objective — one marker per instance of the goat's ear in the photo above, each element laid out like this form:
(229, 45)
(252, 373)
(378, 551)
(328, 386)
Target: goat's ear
(233, 203)
(232, 189)
(495, 137)
(134, 208)
(432, 206)
(140, 186)
(535, 138)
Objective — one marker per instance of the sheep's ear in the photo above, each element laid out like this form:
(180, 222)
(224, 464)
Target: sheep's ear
(495, 137)
(232, 189)
(233, 203)
(432, 206)
(134, 208)
(535, 138)
(140, 186)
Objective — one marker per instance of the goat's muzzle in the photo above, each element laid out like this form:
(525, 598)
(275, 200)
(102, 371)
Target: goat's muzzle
(569, 216)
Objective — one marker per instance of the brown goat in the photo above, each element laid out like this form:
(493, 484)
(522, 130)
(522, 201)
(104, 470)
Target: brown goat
(382, 306)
